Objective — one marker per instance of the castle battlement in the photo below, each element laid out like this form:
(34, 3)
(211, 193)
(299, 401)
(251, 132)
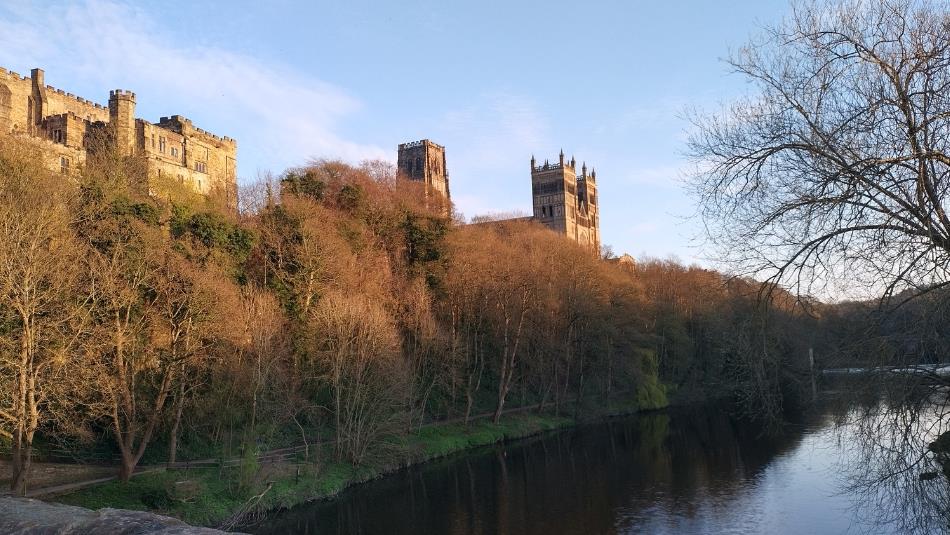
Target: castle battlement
(419, 143)
(176, 123)
(121, 93)
(78, 99)
(14, 74)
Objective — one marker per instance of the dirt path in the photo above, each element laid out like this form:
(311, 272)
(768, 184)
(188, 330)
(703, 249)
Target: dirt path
(51, 475)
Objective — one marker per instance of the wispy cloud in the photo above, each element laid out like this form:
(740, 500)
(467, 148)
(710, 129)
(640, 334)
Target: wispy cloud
(280, 117)
(498, 127)
(498, 130)
(658, 176)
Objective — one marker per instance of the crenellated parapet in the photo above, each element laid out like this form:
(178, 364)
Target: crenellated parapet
(13, 74)
(79, 100)
(184, 126)
(420, 143)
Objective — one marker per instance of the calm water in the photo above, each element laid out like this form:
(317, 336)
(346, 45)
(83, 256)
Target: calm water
(682, 472)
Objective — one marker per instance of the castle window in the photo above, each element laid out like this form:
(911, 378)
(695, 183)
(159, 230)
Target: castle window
(153, 141)
(58, 136)
(199, 184)
(201, 167)
(161, 145)
(63, 164)
(174, 152)
(419, 167)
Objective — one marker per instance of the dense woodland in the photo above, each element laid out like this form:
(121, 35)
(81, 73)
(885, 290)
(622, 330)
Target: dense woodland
(335, 306)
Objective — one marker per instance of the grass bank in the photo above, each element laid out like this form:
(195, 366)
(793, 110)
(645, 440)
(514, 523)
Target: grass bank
(211, 496)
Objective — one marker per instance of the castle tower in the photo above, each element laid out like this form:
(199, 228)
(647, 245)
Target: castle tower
(424, 161)
(122, 120)
(565, 202)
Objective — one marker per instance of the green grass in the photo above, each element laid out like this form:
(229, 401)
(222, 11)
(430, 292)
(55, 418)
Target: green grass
(210, 496)
(440, 440)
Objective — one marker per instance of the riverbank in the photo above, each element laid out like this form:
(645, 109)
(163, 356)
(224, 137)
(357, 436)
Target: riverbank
(223, 497)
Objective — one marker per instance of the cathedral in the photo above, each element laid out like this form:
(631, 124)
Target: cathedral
(564, 201)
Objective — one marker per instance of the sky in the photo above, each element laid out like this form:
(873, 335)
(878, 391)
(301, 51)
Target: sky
(495, 82)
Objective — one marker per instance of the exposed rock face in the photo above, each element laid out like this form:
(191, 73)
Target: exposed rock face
(23, 516)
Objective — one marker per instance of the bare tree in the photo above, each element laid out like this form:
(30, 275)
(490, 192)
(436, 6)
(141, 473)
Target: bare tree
(833, 176)
(836, 168)
(357, 343)
(39, 259)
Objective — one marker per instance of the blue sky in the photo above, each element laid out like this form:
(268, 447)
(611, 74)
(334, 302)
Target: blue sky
(493, 81)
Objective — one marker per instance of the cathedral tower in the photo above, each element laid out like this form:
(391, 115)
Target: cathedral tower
(566, 202)
(424, 161)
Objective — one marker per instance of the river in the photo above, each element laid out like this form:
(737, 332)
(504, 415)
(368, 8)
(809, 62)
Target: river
(682, 471)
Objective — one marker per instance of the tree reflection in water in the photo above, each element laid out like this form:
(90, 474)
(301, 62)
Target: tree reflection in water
(887, 466)
(685, 471)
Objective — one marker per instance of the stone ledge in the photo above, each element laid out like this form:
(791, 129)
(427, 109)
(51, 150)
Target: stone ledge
(25, 516)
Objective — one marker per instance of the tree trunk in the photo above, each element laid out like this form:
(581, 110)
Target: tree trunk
(22, 459)
(469, 401)
(126, 467)
(173, 439)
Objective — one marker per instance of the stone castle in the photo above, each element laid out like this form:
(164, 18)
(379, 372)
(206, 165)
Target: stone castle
(564, 201)
(178, 155)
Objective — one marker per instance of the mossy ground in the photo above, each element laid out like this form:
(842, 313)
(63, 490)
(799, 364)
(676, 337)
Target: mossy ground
(209, 496)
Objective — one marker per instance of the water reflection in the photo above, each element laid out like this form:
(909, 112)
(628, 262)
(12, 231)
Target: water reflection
(685, 471)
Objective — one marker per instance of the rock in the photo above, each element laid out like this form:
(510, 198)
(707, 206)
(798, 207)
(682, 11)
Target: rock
(24, 516)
